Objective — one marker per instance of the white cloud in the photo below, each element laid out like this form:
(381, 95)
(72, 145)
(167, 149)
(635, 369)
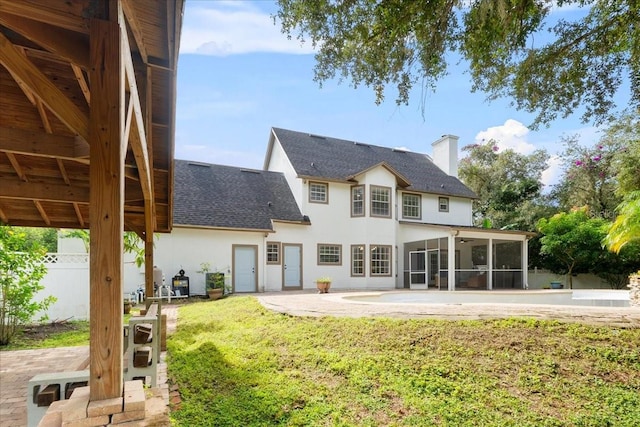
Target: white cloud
(232, 28)
(551, 175)
(512, 134)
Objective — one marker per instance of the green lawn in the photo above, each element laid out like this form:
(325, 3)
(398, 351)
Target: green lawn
(237, 364)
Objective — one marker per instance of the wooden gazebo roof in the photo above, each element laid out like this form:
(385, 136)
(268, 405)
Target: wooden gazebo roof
(45, 93)
(87, 107)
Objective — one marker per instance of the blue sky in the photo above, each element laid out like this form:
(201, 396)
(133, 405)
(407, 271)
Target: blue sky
(239, 76)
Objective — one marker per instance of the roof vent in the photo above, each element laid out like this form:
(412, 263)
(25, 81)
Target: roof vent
(317, 136)
(399, 150)
(202, 165)
(250, 171)
(362, 144)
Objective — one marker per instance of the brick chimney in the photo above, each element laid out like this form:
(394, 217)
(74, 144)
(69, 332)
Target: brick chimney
(445, 154)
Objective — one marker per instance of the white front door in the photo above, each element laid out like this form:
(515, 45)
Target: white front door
(245, 278)
(292, 267)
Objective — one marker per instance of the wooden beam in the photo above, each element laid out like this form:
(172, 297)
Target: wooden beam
(137, 136)
(25, 72)
(70, 45)
(16, 166)
(35, 143)
(46, 192)
(134, 25)
(106, 215)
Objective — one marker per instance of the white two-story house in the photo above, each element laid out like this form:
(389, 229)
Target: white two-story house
(369, 217)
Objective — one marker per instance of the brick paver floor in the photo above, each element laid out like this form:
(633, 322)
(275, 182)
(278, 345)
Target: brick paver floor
(18, 367)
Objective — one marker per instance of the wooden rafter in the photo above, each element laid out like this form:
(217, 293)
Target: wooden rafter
(25, 72)
(63, 171)
(42, 11)
(3, 216)
(70, 45)
(42, 212)
(84, 87)
(134, 25)
(16, 166)
(76, 208)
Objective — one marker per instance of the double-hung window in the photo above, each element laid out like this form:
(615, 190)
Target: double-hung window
(380, 260)
(411, 206)
(318, 192)
(273, 253)
(357, 200)
(443, 204)
(380, 201)
(357, 260)
(329, 254)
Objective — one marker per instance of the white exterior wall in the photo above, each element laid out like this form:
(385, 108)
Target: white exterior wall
(279, 162)
(187, 248)
(460, 210)
(331, 223)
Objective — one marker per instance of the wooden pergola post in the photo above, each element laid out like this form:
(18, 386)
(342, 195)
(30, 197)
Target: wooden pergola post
(107, 151)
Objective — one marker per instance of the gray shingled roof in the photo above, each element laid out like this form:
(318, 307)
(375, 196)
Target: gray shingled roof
(329, 158)
(230, 197)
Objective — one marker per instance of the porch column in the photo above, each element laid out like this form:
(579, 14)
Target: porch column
(490, 264)
(525, 263)
(106, 213)
(451, 263)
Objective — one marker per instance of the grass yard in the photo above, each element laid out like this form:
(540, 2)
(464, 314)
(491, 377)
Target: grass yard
(50, 335)
(237, 364)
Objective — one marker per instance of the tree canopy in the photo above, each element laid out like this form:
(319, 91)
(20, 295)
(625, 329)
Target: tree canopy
(507, 184)
(514, 48)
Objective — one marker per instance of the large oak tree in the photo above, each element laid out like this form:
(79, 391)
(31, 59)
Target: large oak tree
(514, 48)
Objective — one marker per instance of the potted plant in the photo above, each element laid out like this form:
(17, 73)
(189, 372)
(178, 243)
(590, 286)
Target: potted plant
(323, 284)
(556, 284)
(214, 281)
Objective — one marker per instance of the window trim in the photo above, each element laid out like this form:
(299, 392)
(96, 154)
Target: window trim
(372, 188)
(364, 260)
(337, 245)
(326, 193)
(278, 253)
(440, 204)
(371, 260)
(419, 206)
(364, 197)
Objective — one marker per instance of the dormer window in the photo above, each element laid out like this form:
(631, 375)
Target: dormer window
(318, 192)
